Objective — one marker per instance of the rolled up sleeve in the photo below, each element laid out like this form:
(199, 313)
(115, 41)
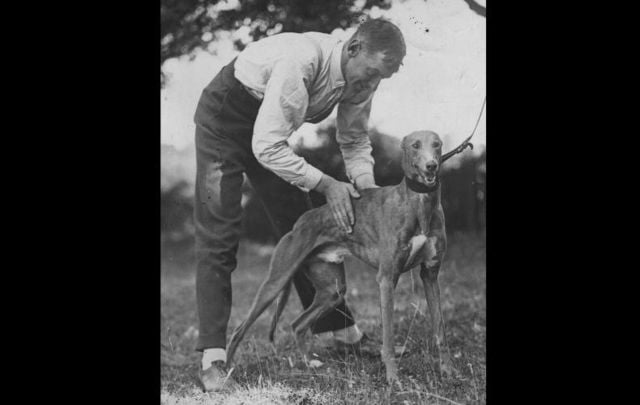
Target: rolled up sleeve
(282, 112)
(353, 138)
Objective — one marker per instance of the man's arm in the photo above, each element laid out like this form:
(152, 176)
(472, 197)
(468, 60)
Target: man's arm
(282, 111)
(353, 138)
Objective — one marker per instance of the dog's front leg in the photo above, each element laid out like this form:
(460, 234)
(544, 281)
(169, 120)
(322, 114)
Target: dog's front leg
(386, 282)
(429, 275)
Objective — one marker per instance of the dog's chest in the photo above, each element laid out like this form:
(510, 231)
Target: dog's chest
(416, 244)
(421, 249)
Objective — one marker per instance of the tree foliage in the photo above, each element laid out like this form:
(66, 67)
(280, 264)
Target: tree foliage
(188, 24)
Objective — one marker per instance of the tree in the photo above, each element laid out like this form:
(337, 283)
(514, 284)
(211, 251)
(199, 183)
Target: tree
(189, 24)
(477, 7)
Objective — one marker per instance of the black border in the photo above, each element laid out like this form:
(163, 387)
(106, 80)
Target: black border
(90, 290)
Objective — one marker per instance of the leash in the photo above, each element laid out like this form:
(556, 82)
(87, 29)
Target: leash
(466, 142)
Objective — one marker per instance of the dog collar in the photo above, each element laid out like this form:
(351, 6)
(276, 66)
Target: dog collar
(420, 188)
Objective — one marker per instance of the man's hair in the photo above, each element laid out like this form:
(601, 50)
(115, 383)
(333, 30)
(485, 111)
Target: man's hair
(383, 36)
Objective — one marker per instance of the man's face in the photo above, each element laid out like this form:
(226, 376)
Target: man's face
(363, 71)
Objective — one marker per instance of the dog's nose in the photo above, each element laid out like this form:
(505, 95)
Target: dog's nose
(432, 166)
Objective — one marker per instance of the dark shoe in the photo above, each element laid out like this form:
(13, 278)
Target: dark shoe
(215, 377)
(364, 345)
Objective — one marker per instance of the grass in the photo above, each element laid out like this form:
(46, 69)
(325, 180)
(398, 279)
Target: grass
(268, 376)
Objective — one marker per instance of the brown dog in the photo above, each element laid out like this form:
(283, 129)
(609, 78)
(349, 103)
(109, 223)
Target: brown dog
(396, 228)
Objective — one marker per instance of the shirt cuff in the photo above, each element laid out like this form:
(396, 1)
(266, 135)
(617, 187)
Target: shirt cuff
(359, 170)
(365, 179)
(310, 180)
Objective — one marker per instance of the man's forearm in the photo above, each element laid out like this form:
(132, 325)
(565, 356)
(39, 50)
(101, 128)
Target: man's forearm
(357, 157)
(280, 159)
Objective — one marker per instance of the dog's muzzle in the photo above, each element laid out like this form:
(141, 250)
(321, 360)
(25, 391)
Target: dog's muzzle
(428, 175)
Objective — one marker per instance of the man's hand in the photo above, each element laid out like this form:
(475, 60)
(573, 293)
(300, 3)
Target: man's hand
(365, 181)
(337, 194)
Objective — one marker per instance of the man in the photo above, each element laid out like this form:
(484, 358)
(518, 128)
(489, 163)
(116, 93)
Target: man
(243, 120)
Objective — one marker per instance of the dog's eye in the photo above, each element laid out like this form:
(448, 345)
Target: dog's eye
(416, 145)
(436, 144)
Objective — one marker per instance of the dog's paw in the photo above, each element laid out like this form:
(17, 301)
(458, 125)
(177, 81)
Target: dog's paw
(445, 367)
(394, 381)
(396, 384)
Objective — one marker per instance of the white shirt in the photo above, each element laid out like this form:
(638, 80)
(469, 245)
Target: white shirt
(299, 78)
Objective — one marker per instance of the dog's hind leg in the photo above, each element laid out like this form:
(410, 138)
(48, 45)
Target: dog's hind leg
(266, 294)
(286, 259)
(329, 282)
(281, 303)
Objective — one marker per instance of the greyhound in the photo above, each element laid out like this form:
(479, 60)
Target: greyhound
(396, 229)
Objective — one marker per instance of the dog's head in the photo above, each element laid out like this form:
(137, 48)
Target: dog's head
(421, 157)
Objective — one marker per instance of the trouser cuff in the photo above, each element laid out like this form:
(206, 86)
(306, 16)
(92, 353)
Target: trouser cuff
(211, 342)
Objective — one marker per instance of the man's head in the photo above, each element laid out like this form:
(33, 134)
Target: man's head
(373, 53)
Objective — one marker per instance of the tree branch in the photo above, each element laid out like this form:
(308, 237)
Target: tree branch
(478, 8)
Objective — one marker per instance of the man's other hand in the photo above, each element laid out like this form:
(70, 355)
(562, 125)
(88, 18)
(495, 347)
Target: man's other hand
(338, 198)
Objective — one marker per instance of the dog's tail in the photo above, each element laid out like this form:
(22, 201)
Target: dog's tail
(282, 302)
(287, 257)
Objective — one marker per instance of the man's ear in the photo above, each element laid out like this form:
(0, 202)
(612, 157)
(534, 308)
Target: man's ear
(354, 47)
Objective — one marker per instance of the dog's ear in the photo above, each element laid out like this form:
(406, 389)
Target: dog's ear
(403, 143)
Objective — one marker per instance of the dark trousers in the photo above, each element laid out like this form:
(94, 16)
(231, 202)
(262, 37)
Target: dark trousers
(224, 120)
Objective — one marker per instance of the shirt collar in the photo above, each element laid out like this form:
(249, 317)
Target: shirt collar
(335, 69)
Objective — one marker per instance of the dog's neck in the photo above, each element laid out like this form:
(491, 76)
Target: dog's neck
(422, 200)
(420, 188)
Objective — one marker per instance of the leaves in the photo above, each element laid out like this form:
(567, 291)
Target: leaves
(184, 22)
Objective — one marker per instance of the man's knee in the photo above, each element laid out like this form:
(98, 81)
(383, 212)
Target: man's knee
(216, 257)
(219, 190)
(218, 210)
